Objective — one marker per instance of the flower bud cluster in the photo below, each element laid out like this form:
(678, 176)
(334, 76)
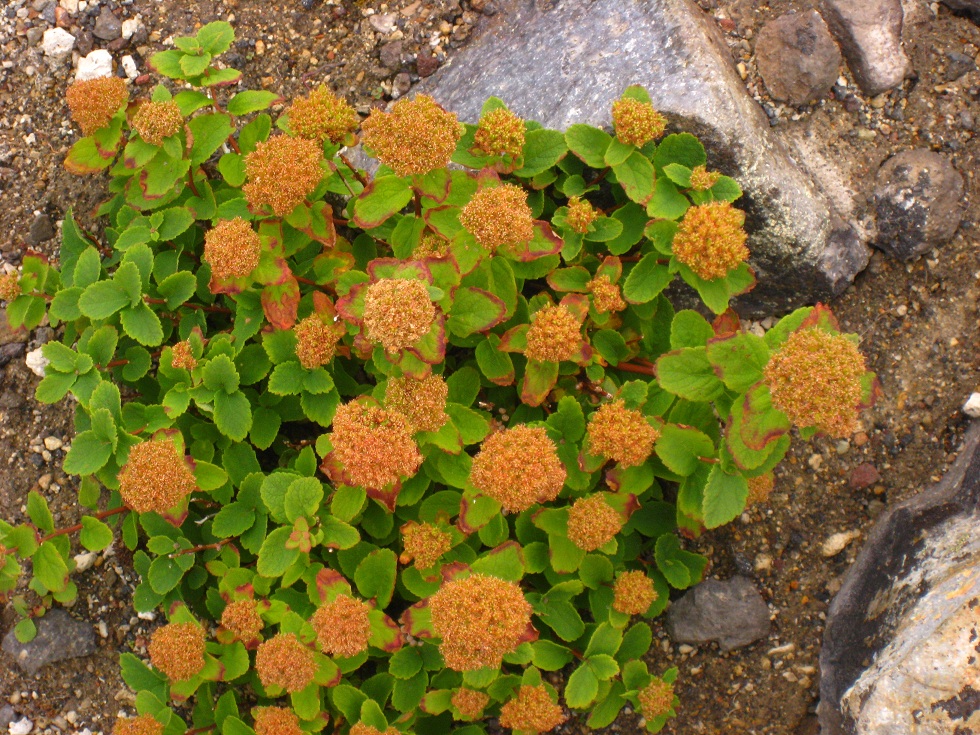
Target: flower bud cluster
(637, 123)
(581, 214)
(532, 711)
(363, 729)
(316, 341)
(605, 295)
(500, 133)
(93, 102)
(425, 543)
(470, 702)
(142, 725)
(702, 179)
(518, 467)
(593, 523)
(182, 356)
(276, 721)
(155, 121)
(416, 137)
(374, 446)
(285, 662)
(760, 487)
(177, 649)
(242, 618)
(321, 115)
(656, 699)
(431, 246)
(421, 400)
(155, 477)
(633, 593)
(555, 335)
(9, 287)
(498, 216)
(281, 173)
(232, 248)
(621, 434)
(710, 240)
(342, 626)
(398, 312)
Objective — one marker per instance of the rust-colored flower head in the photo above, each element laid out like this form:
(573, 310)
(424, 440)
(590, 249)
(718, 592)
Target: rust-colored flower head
(815, 379)
(605, 295)
(276, 721)
(155, 121)
(142, 725)
(182, 356)
(421, 401)
(285, 662)
(232, 248)
(94, 102)
(581, 214)
(555, 335)
(637, 123)
(710, 240)
(656, 699)
(156, 477)
(480, 619)
(374, 446)
(532, 711)
(177, 649)
(242, 618)
(282, 172)
(342, 626)
(321, 115)
(316, 341)
(760, 488)
(633, 593)
(593, 523)
(470, 702)
(498, 216)
(363, 729)
(431, 246)
(425, 543)
(500, 133)
(10, 287)
(702, 179)
(518, 467)
(416, 137)
(397, 312)
(621, 434)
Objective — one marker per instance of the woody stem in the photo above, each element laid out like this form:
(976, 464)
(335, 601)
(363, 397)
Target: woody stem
(78, 526)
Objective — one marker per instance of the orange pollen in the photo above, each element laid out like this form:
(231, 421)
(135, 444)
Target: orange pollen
(710, 240)
(285, 662)
(316, 341)
(276, 721)
(156, 477)
(342, 626)
(470, 702)
(362, 729)
(555, 335)
(155, 121)
(10, 287)
(633, 593)
(621, 434)
(425, 543)
(422, 402)
(375, 446)
(702, 179)
(605, 295)
(242, 618)
(498, 217)
(480, 619)
(760, 488)
(581, 214)
(531, 711)
(282, 172)
(416, 137)
(142, 725)
(500, 133)
(177, 649)
(637, 123)
(518, 467)
(593, 523)
(656, 699)
(94, 102)
(815, 379)
(397, 312)
(232, 248)
(182, 356)
(321, 115)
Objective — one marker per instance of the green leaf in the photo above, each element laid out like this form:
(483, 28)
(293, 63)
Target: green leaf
(287, 379)
(589, 144)
(95, 534)
(88, 454)
(38, 512)
(568, 420)
(347, 502)
(142, 324)
(233, 415)
(474, 310)
(408, 693)
(497, 366)
(618, 152)
(603, 666)
(194, 66)
(220, 374)
(605, 640)
(208, 133)
(667, 202)
(647, 280)
(375, 576)
(604, 229)
(209, 476)
(724, 497)
(549, 656)
(102, 299)
(405, 663)
(216, 37)
(542, 150)
(64, 305)
(25, 630)
(562, 617)
(164, 574)
(233, 520)
(682, 148)
(54, 386)
(382, 198)
(251, 101)
(582, 687)
(473, 427)
(680, 175)
(689, 329)
(303, 497)
(167, 63)
(738, 360)
(176, 220)
(274, 558)
(232, 168)
(682, 448)
(50, 568)
(688, 374)
(681, 568)
(636, 176)
(611, 346)
(266, 423)
(338, 535)
(177, 288)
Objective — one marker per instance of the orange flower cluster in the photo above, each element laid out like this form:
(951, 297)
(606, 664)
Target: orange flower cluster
(500, 133)
(155, 477)
(362, 729)
(593, 523)
(276, 721)
(243, 620)
(321, 115)
(605, 295)
(431, 246)
(342, 626)
(425, 543)
(142, 725)
(555, 335)
(480, 620)
(633, 593)
(702, 179)
(285, 662)
(316, 341)
(416, 137)
(710, 240)
(232, 248)
(177, 649)
(498, 216)
(759, 488)
(374, 446)
(470, 702)
(182, 356)
(531, 710)
(421, 401)
(397, 312)
(9, 287)
(518, 467)
(93, 103)
(815, 379)
(581, 214)
(155, 121)
(621, 434)
(656, 699)
(282, 172)
(637, 123)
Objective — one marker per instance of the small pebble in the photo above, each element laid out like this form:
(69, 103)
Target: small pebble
(836, 543)
(53, 443)
(843, 446)
(21, 727)
(972, 406)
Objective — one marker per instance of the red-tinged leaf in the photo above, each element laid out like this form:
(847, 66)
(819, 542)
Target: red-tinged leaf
(449, 572)
(822, 318)
(757, 422)
(328, 674)
(539, 379)
(626, 503)
(476, 511)
(323, 306)
(417, 620)
(443, 221)
(382, 198)
(413, 270)
(316, 221)
(514, 339)
(574, 279)
(611, 268)
(588, 462)
(577, 304)
(530, 635)
(85, 157)
(583, 355)
(475, 310)
(280, 302)
(434, 185)
(431, 348)
(871, 390)
(387, 495)
(545, 242)
(726, 323)
(330, 264)
(177, 514)
(351, 306)
(385, 633)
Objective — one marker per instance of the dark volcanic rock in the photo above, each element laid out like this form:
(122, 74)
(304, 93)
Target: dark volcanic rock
(59, 637)
(870, 33)
(730, 612)
(107, 26)
(41, 230)
(970, 8)
(797, 57)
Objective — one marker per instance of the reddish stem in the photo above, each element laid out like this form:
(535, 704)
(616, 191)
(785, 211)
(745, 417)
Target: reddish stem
(357, 174)
(190, 183)
(78, 526)
(641, 369)
(213, 309)
(202, 547)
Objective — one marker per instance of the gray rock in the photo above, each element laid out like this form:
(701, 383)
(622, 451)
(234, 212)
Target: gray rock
(958, 64)
(797, 57)
(57, 43)
(7, 715)
(391, 54)
(918, 198)
(970, 8)
(59, 637)
(107, 26)
(42, 229)
(568, 64)
(900, 647)
(730, 612)
(870, 33)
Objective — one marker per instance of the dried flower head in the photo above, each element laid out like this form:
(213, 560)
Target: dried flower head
(637, 123)
(815, 379)
(397, 312)
(93, 103)
(633, 593)
(605, 295)
(142, 725)
(498, 216)
(518, 467)
(232, 248)
(182, 356)
(500, 133)
(431, 246)
(155, 121)
(276, 721)
(531, 710)
(321, 115)
(285, 662)
(425, 543)
(710, 240)
(702, 179)
(362, 729)
(480, 619)
(374, 446)
(621, 434)
(10, 287)
(316, 341)
(422, 401)
(470, 702)
(555, 335)
(760, 488)
(342, 626)
(177, 649)
(242, 618)
(156, 477)
(282, 172)
(416, 137)
(581, 214)
(593, 523)
(656, 699)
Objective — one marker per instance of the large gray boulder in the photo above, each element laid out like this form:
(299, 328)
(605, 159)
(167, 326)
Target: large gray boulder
(567, 64)
(870, 32)
(902, 642)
